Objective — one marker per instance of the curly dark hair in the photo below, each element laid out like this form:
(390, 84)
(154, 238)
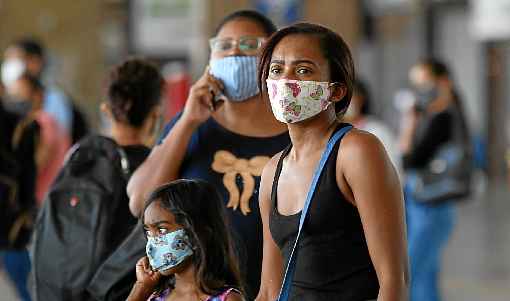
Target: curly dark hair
(333, 47)
(134, 90)
(197, 207)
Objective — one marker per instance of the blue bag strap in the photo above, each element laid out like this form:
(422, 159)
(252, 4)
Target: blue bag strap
(291, 265)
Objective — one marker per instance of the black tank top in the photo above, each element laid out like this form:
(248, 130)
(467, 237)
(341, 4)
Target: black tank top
(333, 261)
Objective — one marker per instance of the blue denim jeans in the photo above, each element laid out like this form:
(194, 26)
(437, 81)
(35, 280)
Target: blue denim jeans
(17, 266)
(428, 230)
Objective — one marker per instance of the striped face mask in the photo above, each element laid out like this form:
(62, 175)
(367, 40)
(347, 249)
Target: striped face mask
(238, 75)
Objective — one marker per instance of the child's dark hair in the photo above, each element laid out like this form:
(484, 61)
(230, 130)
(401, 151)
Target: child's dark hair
(197, 206)
(134, 90)
(334, 49)
(265, 23)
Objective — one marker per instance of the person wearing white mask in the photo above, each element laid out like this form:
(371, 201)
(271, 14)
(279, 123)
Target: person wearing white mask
(27, 55)
(225, 135)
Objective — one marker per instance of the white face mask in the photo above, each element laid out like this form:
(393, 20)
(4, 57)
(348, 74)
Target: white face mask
(294, 101)
(12, 69)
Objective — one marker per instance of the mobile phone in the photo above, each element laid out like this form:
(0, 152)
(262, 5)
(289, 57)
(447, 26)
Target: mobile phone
(218, 99)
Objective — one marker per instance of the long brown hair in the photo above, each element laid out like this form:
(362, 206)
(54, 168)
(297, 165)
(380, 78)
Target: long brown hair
(197, 207)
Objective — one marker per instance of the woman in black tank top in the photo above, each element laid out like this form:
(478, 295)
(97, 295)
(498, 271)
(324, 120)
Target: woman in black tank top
(353, 242)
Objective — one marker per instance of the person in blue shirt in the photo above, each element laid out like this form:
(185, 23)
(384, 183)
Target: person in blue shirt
(225, 135)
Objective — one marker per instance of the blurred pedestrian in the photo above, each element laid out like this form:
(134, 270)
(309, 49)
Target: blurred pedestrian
(95, 176)
(433, 122)
(28, 55)
(26, 95)
(18, 170)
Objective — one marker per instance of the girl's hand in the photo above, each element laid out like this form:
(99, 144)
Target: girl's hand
(200, 103)
(145, 275)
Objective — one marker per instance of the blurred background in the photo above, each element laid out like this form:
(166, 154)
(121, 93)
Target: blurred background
(84, 39)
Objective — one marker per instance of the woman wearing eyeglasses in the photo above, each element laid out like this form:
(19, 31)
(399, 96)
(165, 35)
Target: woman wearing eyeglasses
(225, 135)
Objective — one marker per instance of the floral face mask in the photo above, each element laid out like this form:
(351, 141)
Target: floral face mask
(168, 250)
(294, 100)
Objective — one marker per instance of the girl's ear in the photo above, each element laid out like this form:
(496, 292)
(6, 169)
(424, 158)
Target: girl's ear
(338, 92)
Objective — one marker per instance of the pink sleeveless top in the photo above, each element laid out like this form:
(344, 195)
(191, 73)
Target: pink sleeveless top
(220, 297)
(53, 136)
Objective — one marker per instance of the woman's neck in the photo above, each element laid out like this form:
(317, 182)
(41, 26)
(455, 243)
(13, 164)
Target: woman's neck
(311, 135)
(251, 117)
(126, 135)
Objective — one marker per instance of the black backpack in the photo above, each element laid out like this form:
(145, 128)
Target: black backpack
(115, 278)
(16, 215)
(80, 125)
(84, 218)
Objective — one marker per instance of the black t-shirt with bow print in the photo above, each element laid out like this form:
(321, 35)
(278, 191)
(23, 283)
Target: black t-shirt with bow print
(233, 163)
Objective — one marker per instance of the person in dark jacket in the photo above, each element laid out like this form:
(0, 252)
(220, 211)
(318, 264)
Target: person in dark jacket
(18, 137)
(426, 127)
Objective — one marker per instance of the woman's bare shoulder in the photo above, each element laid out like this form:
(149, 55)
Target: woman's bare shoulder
(361, 143)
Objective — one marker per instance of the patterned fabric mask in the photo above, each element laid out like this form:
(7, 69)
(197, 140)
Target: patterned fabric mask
(294, 101)
(238, 75)
(168, 250)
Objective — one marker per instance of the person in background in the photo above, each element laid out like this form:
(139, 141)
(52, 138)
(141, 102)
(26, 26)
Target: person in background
(133, 107)
(190, 254)
(26, 95)
(28, 55)
(18, 140)
(360, 115)
(426, 127)
(225, 135)
(134, 92)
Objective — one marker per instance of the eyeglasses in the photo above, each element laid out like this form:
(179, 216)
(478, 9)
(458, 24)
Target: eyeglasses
(248, 45)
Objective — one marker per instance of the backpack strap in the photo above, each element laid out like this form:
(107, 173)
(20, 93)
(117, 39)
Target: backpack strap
(291, 265)
(124, 162)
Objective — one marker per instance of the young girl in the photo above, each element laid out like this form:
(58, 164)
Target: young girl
(189, 253)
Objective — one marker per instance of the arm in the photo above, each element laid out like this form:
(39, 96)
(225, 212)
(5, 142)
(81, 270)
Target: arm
(146, 281)
(272, 266)
(408, 128)
(139, 292)
(165, 160)
(438, 132)
(377, 194)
